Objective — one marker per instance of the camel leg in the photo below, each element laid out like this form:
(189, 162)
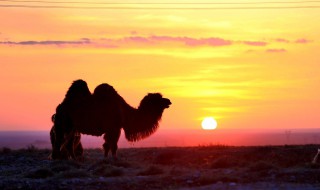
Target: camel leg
(69, 143)
(56, 140)
(111, 142)
(54, 153)
(70, 147)
(114, 143)
(106, 145)
(78, 149)
(58, 137)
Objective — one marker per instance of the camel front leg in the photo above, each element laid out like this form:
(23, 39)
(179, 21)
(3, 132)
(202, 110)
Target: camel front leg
(68, 145)
(57, 139)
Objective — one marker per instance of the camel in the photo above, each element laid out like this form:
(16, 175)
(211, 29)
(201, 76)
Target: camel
(105, 112)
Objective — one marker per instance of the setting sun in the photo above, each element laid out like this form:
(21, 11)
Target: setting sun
(209, 123)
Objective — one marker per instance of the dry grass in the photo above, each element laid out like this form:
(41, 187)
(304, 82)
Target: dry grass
(159, 168)
(151, 170)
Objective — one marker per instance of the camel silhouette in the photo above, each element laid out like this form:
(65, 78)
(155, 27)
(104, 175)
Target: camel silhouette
(104, 112)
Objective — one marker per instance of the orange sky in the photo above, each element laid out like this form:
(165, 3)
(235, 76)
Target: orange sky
(248, 68)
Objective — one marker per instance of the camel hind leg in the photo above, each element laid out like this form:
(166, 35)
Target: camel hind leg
(106, 146)
(114, 143)
(78, 148)
(111, 143)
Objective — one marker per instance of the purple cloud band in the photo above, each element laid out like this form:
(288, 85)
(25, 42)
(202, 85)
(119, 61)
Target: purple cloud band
(187, 41)
(276, 50)
(298, 41)
(155, 40)
(48, 42)
(302, 41)
(255, 43)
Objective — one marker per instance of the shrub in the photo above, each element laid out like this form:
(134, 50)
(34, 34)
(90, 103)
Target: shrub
(123, 164)
(114, 172)
(152, 170)
(76, 173)
(166, 158)
(312, 165)
(31, 148)
(261, 166)
(226, 162)
(219, 177)
(40, 173)
(108, 171)
(64, 165)
(5, 150)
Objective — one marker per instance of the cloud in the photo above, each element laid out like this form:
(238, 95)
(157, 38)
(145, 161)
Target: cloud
(49, 42)
(135, 40)
(207, 41)
(276, 50)
(302, 41)
(282, 40)
(297, 41)
(133, 32)
(188, 41)
(250, 51)
(255, 43)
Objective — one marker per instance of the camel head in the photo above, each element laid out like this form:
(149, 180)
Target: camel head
(147, 117)
(154, 102)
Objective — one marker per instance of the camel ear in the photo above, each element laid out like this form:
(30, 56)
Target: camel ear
(53, 118)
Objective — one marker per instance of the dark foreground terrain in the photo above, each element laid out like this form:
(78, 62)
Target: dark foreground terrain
(209, 167)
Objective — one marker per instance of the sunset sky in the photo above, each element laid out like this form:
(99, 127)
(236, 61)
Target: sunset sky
(250, 64)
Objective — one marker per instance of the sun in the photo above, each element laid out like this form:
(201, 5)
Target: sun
(209, 123)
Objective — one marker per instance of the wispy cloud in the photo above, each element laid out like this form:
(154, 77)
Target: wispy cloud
(48, 42)
(193, 41)
(282, 40)
(297, 41)
(276, 50)
(187, 41)
(302, 41)
(158, 40)
(255, 43)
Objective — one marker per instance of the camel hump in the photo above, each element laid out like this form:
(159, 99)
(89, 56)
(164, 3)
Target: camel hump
(104, 91)
(78, 89)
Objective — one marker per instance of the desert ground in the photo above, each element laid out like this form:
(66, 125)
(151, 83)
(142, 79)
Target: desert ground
(184, 168)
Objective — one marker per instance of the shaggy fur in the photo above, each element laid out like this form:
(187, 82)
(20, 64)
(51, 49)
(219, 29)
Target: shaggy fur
(64, 139)
(72, 149)
(106, 112)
